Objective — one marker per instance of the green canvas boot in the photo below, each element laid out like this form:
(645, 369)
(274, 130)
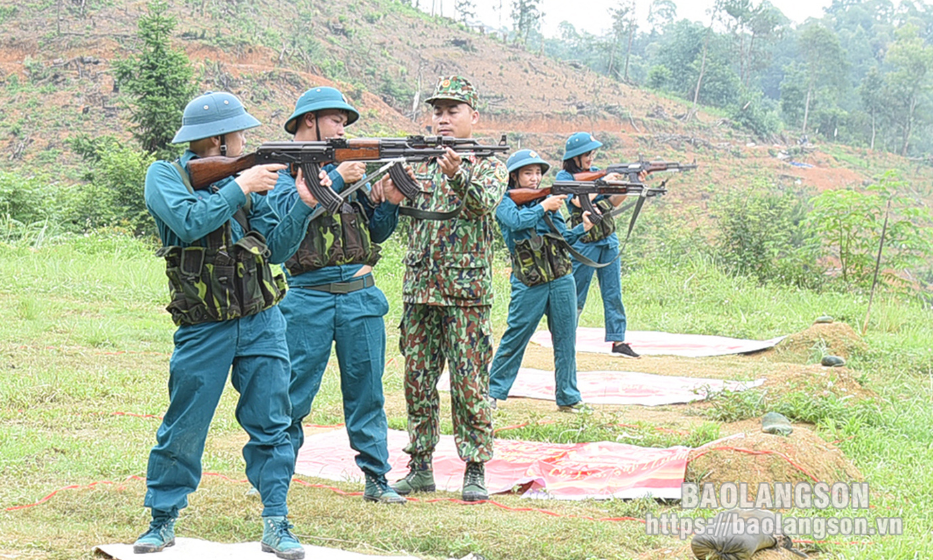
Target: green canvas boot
(161, 534)
(277, 538)
(378, 490)
(474, 483)
(417, 480)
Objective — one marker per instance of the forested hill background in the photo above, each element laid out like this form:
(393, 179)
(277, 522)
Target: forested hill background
(860, 77)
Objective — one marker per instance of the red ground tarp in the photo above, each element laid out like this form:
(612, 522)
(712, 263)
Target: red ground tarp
(543, 470)
(649, 343)
(619, 387)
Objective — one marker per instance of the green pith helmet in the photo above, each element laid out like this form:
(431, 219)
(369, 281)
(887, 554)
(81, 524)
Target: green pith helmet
(580, 143)
(320, 99)
(213, 114)
(522, 158)
(456, 88)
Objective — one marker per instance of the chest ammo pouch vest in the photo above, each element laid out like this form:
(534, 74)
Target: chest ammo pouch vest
(601, 230)
(540, 259)
(335, 239)
(219, 280)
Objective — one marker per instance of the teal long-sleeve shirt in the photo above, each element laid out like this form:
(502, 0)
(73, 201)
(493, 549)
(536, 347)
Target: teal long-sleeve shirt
(521, 222)
(184, 218)
(382, 222)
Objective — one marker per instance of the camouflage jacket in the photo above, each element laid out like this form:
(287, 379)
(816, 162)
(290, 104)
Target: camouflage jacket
(450, 262)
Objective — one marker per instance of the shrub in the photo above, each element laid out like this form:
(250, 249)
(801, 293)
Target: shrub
(762, 235)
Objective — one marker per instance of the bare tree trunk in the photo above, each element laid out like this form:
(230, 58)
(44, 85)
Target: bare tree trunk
(873, 130)
(908, 126)
(806, 109)
(628, 53)
(696, 92)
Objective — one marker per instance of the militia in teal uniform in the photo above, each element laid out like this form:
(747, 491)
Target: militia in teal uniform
(447, 296)
(329, 303)
(224, 296)
(600, 244)
(541, 285)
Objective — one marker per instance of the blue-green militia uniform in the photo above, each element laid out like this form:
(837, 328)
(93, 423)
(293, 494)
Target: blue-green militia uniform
(555, 298)
(254, 346)
(602, 250)
(352, 321)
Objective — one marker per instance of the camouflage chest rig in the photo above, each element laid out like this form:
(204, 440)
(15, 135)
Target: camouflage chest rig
(540, 259)
(334, 240)
(219, 280)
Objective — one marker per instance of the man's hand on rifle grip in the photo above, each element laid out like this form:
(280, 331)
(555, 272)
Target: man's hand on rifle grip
(259, 178)
(587, 224)
(449, 163)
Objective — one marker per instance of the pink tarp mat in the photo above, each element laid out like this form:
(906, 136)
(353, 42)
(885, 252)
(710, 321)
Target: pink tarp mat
(598, 470)
(620, 387)
(196, 549)
(651, 343)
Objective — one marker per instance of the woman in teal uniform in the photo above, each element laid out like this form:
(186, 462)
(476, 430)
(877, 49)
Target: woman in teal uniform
(537, 238)
(601, 244)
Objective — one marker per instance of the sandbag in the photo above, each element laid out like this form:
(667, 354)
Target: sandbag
(737, 534)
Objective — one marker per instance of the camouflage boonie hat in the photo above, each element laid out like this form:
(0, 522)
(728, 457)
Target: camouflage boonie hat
(456, 88)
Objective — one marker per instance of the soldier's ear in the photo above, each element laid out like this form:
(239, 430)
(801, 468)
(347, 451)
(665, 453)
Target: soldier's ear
(475, 116)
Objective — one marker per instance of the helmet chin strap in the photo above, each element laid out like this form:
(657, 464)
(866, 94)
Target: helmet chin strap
(223, 145)
(317, 127)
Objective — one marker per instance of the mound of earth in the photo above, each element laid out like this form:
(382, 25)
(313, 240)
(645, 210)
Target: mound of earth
(816, 380)
(837, 339)
(759, 457)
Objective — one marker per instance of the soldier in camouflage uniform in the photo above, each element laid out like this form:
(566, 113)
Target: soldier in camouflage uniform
(218, 245)
(447, 297)
(537, 238)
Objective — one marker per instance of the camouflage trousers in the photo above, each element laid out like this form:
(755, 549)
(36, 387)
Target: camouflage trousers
(460, 336)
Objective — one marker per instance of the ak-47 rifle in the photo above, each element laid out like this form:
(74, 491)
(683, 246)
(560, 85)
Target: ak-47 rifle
(308, 156)
(582, 190)
(631, 171)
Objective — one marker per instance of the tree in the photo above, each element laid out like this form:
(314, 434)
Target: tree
(466, 9)
(624, 26)
(825, 62)
(752, 28)
(909, 82)
(661, 13)
(159, 78)
(526, 17)
(872, 97)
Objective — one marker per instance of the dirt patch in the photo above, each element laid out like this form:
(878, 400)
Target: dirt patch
(838, 339)
(759, 457)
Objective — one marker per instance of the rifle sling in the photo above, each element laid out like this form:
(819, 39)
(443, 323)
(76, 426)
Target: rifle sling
(583, 259)
(588, 261)
(428, 215)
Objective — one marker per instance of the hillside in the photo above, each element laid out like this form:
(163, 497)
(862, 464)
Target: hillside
(56, 80)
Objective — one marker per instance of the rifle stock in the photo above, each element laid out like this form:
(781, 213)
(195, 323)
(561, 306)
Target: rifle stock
(207, 171)
(524, 196)
(589, 175)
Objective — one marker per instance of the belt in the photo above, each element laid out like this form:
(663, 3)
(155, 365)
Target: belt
(344, 287)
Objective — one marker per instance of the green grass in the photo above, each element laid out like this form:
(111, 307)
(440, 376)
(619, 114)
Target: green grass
(83, 335)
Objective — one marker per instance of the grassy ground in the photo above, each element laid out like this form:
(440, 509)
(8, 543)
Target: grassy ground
(83, 335)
